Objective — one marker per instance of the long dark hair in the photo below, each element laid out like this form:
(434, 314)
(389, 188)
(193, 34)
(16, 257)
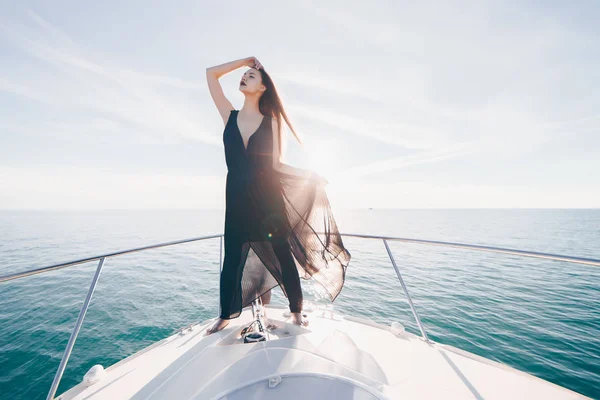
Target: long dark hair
(270, 104)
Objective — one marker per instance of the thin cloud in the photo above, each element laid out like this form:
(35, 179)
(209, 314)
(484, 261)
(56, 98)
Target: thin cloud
(426, 157)
(338, 85)
(397, 133)
(122, 93)
(103, 188)
(415, 194)
(26, 91)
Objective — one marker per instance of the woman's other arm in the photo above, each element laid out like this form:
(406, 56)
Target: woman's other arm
(278, 165)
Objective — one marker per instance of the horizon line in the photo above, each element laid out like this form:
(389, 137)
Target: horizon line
(337, 208)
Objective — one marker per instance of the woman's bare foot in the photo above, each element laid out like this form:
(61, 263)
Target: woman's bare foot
(299, 320)
(220, 324)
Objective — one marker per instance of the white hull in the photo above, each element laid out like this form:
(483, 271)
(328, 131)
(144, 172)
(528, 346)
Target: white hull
(335, 357)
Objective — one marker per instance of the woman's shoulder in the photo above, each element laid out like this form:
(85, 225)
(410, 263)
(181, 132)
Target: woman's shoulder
(228, 118)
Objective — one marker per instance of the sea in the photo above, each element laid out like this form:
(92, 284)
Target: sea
(536, 315)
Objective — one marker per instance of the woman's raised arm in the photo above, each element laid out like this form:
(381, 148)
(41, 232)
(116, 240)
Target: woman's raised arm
(277, 164)
(216, 91)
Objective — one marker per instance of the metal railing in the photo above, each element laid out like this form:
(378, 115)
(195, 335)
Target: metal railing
(385, 239)
(88, 298)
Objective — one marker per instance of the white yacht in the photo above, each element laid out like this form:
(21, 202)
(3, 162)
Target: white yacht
(335, 357)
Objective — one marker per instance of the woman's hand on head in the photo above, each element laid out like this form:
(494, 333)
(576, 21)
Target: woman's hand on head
(253, 62)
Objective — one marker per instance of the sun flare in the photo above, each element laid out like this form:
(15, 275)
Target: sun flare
(323, 159)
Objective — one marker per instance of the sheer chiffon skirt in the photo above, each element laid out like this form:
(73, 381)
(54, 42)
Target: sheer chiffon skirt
(278, 229)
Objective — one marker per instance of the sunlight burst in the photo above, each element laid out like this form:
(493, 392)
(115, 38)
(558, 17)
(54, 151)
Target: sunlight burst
(322, 158)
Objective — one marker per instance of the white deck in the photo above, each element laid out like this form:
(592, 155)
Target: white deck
(335, 357)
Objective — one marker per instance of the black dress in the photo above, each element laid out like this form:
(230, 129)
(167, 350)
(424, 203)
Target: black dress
(278, 227)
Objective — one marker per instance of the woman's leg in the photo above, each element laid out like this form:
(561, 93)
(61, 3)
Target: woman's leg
(231, 278)
(230, 281)
(291, 280)
(266, 298)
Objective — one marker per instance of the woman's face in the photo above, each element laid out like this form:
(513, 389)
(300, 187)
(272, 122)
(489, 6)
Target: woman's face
(251, 82)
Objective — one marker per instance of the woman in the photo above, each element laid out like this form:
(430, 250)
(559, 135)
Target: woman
(279, 212)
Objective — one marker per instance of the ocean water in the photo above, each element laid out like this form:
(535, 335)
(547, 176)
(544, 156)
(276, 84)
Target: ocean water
(539, 316)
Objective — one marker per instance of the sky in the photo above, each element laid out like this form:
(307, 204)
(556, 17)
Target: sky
(448, 104)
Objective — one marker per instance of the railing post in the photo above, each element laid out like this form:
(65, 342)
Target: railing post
(412, 307)
(67, 353)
